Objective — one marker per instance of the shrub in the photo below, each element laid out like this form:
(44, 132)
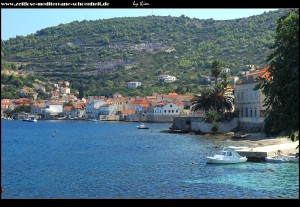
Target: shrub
(212, 116)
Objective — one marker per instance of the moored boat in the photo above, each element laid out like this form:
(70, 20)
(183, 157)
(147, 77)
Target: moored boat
(282, 158)
(30, 119)
(227, 155)
(142, 126)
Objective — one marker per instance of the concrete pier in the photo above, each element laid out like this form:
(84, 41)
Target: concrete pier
(260, 153)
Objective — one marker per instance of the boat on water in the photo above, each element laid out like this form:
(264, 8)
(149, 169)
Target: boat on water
(142, 126)
(280, 158)
(30, 119)
(227, 155)
(93, 119)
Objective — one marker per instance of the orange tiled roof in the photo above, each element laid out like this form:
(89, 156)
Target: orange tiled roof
(150, 97)
(6, 103)
(260, 74)
(67, 108)
(41, 105)
(120, 99)
(137, 102)
(126, 112)
(178, 103)
(77, 107)
(145, 105)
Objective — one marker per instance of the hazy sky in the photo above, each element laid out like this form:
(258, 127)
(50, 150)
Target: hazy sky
(28, 21)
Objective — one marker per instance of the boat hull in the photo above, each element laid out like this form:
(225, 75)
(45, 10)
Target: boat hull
(281, 160)
(143, 127)
(212, 160)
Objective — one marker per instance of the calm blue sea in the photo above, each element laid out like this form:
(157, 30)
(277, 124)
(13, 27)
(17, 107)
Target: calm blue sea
(82, 159)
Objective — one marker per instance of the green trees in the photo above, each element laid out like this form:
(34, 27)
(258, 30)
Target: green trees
(282, 89)
(207, 101)
(177, 45)
(216, 70)
(214, 102)
(81, 92)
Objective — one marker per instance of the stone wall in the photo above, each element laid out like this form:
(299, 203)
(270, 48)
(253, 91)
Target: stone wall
(184, 123)
(252, 127)
(197, 124)
(223, 127)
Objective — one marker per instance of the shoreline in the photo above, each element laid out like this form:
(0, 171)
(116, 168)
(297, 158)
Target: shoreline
(240, 138)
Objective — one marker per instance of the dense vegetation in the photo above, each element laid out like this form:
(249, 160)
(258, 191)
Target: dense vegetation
(282, 90)
(101, 56)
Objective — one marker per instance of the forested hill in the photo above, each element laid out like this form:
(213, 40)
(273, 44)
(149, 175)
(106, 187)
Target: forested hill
(126, 49)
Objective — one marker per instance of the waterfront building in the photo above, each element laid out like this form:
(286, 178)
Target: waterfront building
(250, 102)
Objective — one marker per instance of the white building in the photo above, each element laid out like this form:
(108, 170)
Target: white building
(134, 84)
(225, 70)
(249, 102)
(167, 78)
(92, 108)
(108, 109)
(53, 109)
(172, 108)
(233, 79)
(65, 90)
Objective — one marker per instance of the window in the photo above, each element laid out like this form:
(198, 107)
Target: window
(165, 111)
(170, 105)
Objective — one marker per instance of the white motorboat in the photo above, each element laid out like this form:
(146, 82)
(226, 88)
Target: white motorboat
(227, 155)
(142, 126)
(30, 119)
(282, 158)
(93, 120)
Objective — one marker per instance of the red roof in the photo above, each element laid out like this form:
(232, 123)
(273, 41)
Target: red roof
(258, 75)
(178, 103)
(68, 108)
(137, 102)
(126, 112)
(77, 107)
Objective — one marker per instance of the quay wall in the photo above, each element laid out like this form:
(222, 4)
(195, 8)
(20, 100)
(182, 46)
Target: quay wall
(197, 124)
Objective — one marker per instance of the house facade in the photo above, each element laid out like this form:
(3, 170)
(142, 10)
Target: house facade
(249, 102)
(167, 78)
(134, 84)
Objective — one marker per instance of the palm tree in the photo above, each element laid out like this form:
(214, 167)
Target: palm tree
(208, 100)
(224, 85)
(215, 71)
(203, 101)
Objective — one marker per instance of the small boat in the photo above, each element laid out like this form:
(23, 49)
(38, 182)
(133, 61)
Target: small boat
(30, 119)
(282, 158)
(276, 159)
(93, 119)
(227, 155)
(142, 126)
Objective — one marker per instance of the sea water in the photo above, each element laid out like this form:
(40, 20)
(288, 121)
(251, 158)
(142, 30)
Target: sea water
(84, 159)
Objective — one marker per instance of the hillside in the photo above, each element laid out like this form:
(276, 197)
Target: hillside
(104, 54)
